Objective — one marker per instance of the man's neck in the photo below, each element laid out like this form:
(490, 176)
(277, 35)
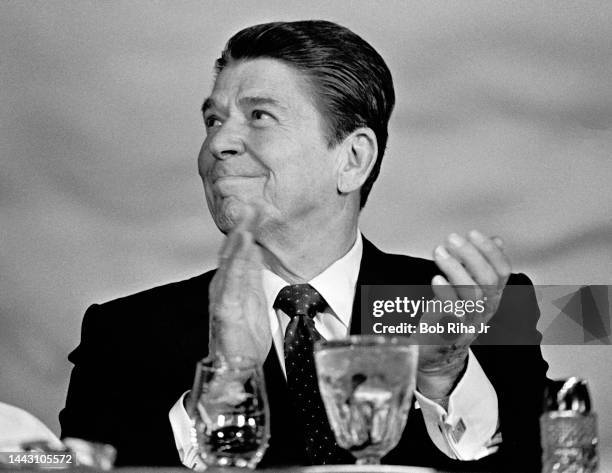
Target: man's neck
(302, 255)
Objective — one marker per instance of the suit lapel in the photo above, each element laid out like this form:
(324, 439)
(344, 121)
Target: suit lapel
(369, 273)
(379, 268)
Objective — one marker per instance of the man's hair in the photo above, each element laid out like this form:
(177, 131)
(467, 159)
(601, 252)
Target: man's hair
(352, 85)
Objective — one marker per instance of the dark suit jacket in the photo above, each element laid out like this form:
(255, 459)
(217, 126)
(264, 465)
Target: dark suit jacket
(137, 356)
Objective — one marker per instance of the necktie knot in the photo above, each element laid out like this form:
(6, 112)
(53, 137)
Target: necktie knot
(300, 299)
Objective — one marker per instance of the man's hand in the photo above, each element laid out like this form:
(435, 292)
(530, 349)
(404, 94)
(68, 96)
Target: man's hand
(476, 269)
(239, 322)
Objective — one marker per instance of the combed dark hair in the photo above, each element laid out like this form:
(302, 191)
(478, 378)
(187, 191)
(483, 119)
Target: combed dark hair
(352, 84)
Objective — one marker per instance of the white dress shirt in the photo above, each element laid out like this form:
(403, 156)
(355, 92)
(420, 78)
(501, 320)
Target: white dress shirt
(465, 430)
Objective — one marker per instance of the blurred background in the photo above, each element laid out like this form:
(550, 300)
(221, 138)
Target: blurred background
(503, 123)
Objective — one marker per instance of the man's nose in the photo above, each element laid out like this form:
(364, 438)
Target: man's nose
(226, 141)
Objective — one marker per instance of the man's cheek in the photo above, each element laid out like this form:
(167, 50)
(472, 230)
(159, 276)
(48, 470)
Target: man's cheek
(205, 162)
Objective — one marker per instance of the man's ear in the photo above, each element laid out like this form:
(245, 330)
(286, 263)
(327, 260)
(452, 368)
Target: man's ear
(359, 154)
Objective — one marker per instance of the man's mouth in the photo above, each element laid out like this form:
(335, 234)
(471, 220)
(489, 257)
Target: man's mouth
(233, 184)
(220, 174)
(232, 178)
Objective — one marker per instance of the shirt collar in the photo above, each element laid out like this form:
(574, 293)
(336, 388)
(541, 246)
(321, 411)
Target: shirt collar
(336, 283)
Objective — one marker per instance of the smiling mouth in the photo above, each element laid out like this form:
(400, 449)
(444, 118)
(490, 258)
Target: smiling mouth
(226, 186)
(219, 179)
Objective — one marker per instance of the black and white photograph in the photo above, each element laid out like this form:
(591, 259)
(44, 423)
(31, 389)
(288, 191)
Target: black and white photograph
(317, 237)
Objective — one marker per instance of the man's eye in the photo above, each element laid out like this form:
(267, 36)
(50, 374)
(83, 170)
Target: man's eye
(261, 115)
(211, 121)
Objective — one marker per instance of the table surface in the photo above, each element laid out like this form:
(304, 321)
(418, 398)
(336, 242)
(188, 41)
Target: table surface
(316, 469)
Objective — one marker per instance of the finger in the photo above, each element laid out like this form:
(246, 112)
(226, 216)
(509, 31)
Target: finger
(456, 274)
(230, 245)
(228, 248)
(256, 256)
(475, 262)
(443, 290)
(246, 223)
(253, 263)
(499, 242)
(491, 249)
(236, 265)
(234, 241)
(251, 218)
(253, 290)
(254, 301)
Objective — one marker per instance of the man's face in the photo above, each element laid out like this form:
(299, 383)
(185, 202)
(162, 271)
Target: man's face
(265, 147)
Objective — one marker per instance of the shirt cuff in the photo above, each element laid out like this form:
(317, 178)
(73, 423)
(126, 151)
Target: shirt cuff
(464, 431)
(182, 430)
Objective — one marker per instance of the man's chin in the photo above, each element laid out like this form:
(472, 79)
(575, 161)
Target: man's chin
(231, 211)
(229, 215)
(225, 223)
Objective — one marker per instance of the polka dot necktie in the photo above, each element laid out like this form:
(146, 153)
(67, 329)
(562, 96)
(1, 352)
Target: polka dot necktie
(301, 302)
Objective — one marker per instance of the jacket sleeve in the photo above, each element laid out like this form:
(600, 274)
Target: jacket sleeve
(111, 398)
(512, 359)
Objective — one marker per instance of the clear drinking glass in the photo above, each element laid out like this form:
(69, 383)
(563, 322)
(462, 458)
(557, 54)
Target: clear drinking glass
(367, 383)
(229, 412)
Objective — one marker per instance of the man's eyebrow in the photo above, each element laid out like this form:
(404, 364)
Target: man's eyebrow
(249, 101)
(254, 101)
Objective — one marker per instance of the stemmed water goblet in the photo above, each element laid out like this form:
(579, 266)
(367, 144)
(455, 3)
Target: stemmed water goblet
(367, 384)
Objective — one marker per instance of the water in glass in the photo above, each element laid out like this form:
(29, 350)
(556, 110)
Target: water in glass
(367, 385)
(230, 413)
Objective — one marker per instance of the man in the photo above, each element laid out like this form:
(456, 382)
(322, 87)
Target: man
(296, 128)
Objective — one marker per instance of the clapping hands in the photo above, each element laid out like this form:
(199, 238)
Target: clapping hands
(239, 324)
(475, 268)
